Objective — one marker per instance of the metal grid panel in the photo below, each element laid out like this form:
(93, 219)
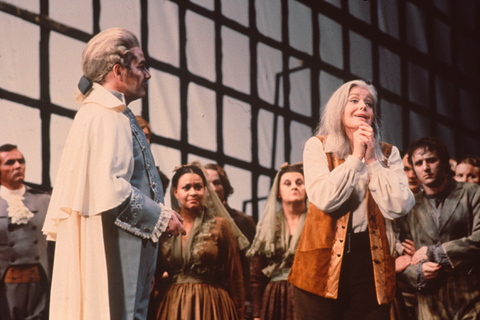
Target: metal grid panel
(402, 46)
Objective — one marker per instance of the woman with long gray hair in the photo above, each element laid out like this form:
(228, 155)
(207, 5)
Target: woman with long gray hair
(344, 268)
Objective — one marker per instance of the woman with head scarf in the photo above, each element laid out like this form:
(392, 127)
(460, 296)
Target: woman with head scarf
(275, 243)
(205, 278)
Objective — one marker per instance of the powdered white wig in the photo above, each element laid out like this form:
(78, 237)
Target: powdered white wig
(331, 121)
(103, 51)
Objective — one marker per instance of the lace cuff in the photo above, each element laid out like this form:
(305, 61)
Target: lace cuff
(143, 217)
(162, 222)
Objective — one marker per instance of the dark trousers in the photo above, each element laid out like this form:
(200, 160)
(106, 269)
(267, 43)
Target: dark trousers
(357, 298)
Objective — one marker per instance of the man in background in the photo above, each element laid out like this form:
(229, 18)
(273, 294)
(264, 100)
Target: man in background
(25, 257)
(413, 182)
(220, 183)
(405, 303)
(444, 225)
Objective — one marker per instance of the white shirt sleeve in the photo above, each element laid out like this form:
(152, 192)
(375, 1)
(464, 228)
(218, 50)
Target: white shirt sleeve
(328, 190)
(389, 187)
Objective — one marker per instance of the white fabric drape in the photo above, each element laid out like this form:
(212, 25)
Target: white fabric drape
(93, 177)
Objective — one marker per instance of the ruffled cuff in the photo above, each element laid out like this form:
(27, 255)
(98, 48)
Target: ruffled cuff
(143, 217)
(162, 222)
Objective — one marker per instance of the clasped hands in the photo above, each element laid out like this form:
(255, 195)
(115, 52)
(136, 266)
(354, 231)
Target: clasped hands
(364, 143)
(412, 257)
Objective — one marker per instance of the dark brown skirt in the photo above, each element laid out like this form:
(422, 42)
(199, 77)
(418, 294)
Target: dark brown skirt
(195, 301)
(278, 301)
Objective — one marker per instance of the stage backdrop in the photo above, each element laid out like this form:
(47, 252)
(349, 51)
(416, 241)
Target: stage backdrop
(243, 82)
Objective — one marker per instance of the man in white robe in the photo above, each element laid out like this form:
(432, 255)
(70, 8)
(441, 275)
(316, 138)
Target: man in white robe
(106, 213)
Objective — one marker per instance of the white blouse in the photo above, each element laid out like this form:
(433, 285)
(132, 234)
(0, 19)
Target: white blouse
(344, 189)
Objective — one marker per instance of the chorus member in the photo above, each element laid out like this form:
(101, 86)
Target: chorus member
(468, 170)
(413, 182)
(444, 225)
(273, 249)
(218, 179)
(106, 213)
(25, 256)
(344, 268)
(404, 306)
(205, 278)
(145, 127)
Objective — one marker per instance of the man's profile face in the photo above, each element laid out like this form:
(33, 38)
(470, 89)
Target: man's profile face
(413, 182)
(12, 169)
(135, 80)
(428, 168)
(214, 180)
(147, 132)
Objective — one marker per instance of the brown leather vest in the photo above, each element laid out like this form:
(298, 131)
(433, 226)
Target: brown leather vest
(319, 255)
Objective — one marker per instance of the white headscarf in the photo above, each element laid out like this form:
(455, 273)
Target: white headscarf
(265, 238)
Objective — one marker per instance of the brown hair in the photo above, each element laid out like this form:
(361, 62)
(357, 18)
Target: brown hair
(227, 187)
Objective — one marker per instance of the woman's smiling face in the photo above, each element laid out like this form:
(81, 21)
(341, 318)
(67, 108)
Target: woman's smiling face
(359, 109)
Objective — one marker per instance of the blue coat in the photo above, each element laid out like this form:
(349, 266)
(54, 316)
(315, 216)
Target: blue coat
(131, 259)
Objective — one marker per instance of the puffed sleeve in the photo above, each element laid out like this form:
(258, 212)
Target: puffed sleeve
(328, 190)
(232, 267)
(389, 187)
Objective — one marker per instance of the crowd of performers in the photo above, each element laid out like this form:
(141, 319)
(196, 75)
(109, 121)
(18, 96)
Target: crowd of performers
(356, 230)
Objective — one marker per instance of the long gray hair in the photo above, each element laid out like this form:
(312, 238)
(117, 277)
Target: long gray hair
(331, 121)
(103, 51)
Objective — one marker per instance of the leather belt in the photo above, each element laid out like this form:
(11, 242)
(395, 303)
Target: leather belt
(22, 274)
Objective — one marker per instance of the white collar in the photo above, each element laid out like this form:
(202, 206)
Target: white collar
(7, 193)
(109, 100)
